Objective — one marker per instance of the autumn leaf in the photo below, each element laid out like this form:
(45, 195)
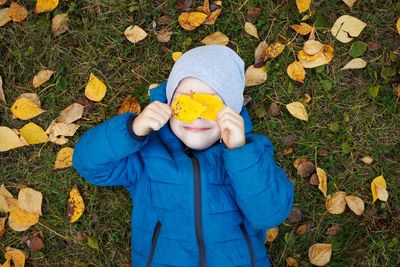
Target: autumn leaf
(397, 25)
(271, 235)
(273, 50)
(64, 158)
(20, 220)
(378, 189)
(4, 16)
(17, 12)
(45, 5)
(255, 76)
(129, 104)
(303, 5)
(312, 47)
(346, 28)
(134, 34)
(30, 200)
(75, 206)
(185, 109)
(33, 133)
(356, 63)
(350, 3)
(16, 256)
(71, 113)
(320, 254)
(59, 24)
(2, 96)
(356, 204)
(367, 160)
(296, 71)
(217, 38)
(297, 110)
(322, 186)
(9, 139)
(191, 20)
(336, 204)
(25, 109)
(212, 18)
(213, 104)
(95, 89)
(41, 77)
(176, 55)
(302, 28)
(251, 29)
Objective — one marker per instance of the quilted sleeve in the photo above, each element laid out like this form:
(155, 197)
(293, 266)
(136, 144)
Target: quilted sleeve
(263, 192)
(108, 154)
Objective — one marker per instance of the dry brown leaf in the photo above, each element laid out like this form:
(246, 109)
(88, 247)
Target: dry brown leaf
(356, 63)
(259, 53)
(301, 229)
(320, 254)
(2, 96)
(191, 20)
(302, 28)
(367, 160)
(291, 262)
(17, 12)
(333, 230)
(64, 158)
(9, 139)
(297, 110)
(336, 204)
(217, 38)
(63, 129)
(2, 224)
(41, 77)
(271, 235)
(356, 204)
(130, 104)
(296, 71)
(346, 28)
(323, 181)
(30, 200)
(2, 2)
(305, 168)
(212, 18)
(71, 113)
(255, 76)
(164, 35)
(350, 3)
(251, 29)
(59, 24)
(299, 161)
(134, 34)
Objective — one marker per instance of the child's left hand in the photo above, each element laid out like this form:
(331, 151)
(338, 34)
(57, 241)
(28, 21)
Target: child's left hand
(232, 127)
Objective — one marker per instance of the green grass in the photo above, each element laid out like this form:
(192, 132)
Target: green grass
(95, 43)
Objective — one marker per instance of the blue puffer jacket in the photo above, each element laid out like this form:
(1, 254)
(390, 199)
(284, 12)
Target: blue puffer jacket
(190, 207)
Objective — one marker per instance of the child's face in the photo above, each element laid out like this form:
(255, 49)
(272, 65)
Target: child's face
(201, 133)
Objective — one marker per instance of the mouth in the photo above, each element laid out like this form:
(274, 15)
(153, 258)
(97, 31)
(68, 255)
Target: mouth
(196, 129)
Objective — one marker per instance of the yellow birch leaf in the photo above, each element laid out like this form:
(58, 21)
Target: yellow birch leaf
(33, 134)
(17, 256)
(32, 96)
(323, 187)
(45, 5)
(312, 47)
(378, 181)
(30, 200)
(95, 89)
(9, 139)
(5, 192)
(320, 254)
(3, 204)
(336, 204)
(367, 160)
(271, 235)
(356, 204)
(296, 71)
(251, 29)
(21, 218)
(64, 158)
(213, 104)
(382, 193)
(297, 110)
(273, 50)
(217, 38)
(4, 16)
(212, 18)
(25, 109)
(303, 5)
(6, 264)
(75, 206)
(302, 28)
(135, 34)
(346, 28)
(41, 77)
(185, 109)
(176, 55)
(255, 76)
(17, 12)
(324, 56)
(191, 20)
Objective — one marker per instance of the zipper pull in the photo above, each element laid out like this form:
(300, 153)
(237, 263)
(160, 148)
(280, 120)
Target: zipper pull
(188, 150)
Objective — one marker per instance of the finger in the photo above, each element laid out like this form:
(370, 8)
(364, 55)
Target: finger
(164, 107)
(154, 124)
(238, 119)
(227, 110)
(230, 125)
(158, 113)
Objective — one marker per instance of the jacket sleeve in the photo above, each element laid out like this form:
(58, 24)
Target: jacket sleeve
(263, 192)
(108, 154)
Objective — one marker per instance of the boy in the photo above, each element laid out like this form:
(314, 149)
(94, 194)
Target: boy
(203, 192)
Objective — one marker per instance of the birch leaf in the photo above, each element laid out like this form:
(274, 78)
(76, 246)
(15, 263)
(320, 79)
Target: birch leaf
(176, 55)
(273, 50)
(2, 96)
(296, 71)
(71, 113)
(251, 29)
(17, 12)
(297, 110)
(397, 25)
(59, 24)
(378, 189)
(346, 28)
(41, 77)
(320, 254)
(356, 63)
(45, 5)
(75, 206)
(30, 200)
(217, 38)
(336, 204)
(312, 47)
(323, 181)
(212, 18)
(135, 34)
(255, 76)
(9, 139)
(303, 5)
(302, 28)
(4, 16)
(272, 233)
(186, 109)
(350, 3)
(16, 256)
(64, 158)
(95, 89)
(25, 109)
(191, 20)
(33, 134)
(356, 204)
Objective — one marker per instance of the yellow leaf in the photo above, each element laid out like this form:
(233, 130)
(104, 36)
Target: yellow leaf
(397, 25)
(302, 28)
(255, 76)
(2, 96)
(297, 110)
(33, 134)
(303, 5)
(251, 29)
(176, 55)
(17, 12)
(213, 104)
(63, 129)
(6, 264)
(129, 104)
(45, 6)
(5, 192)
(324, 56)
(273, 50)
(41, 77)
(320, 254)
(20, 218)
(323, 187)
(191, 20)
(135, 34)
(367, 160)
(350, 3)
(185, 109)
(346, 28)
(213, 17)
(95, 89)
(2, 224)
(71, 113)
(30, 200)
(378, 189)
(64, 158)
(296, 71)
(17, 256)
(217, 38)
(59, 24)
(25, 109)
(75, 206)
(356, 204)
(312, 47)
(9, 139)
(292, 262)
(4, 16)
(272, 233)
(3, 204)
(356, 63)
(336, 204)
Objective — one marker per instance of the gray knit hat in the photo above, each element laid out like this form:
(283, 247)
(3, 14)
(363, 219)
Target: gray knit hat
(216, 65)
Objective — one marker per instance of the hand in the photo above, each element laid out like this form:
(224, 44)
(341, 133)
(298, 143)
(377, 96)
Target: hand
(153, 117)
(232, 127)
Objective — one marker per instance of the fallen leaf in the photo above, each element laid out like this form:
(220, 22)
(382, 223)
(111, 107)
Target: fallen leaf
(356, 63)
(41, 77)
(305, 168)
(75, 206)
(273, 110)
(130, 104)
(176, 55)
(254, 12)
(301, 229)
(314, 179)
(20, 220)
(217, 38)
(312, 47)
(259, 54)
(212, 18)
(9, 139)
(71, 113)
(273, 50)
(271, 235)
(302, 28)
(4, 16)
(303, 5)
(2, 96)
(397, 25)
(333, 230)
(95, 89)
(45, 5)
(64, 158)
(59, 24)
(17, 12)
(32, 96)
(25, 109)
(367, 160)
(164, 35)
(2, 224)
(191, 20)
(17, 256)
(320, 254)
(134, 34)
(378, 189)
(356, 204)
(93, 242)
(33, 134)
(299, 161)
(296, 71)
(291, 262)
(30, 200)
(336, 204)
(5, 192)
(255, 76)
(251, 29)
(323, 181)
(63, 129)
(295, 215)
(350, 3)
(346, 28)
(297, 110)
(324, 56)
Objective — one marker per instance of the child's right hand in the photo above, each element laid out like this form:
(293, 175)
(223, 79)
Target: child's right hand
(153, 117)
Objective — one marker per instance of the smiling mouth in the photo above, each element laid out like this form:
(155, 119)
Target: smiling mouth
(196, 130)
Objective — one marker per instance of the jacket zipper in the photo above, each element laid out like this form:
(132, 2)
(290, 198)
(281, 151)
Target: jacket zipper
(154, 242)
(197, 207)
(249, 245)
